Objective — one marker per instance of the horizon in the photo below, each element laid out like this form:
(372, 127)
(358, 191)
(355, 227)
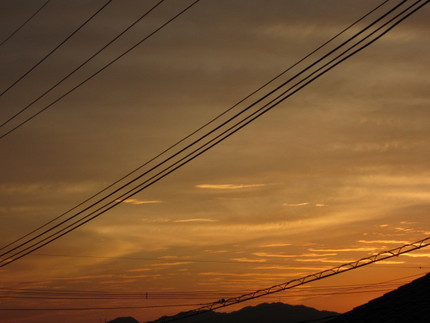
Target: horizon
(337, 172)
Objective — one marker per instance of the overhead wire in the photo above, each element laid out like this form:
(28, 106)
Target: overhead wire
(205, 125)
(306, 293)
(24, 23)
(294, 283)
(19, 79)
(22, 123)
(190, 156)
(89, 59)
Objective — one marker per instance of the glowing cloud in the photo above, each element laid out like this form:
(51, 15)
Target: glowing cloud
(140, 202)
(276, 245)
(194, 220)
(418, 255)
(228, 186)
(248, 260)
(343, 249)
(272, 255)
(383, 241)
(296, 204)
(324, 260)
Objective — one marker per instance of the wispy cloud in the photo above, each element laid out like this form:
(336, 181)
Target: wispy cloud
(408, 230)
(140, 202)
(383, 241)
(325, 260)
(272, 255)
(248, 260)
(290, 268)
(417, 255)
(296, 204)
(272, 245)
(248, 274)
(280, 255)
(304, 204)
(194, 220)
(344, 249)
(228, 186)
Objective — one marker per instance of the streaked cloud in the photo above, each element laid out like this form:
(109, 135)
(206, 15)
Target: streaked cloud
(194, 220)
(383, 241)
(249, 274)
(325, 260)
(407, 230)
(304, 204)
(272, 255)
(169, 264)
(140, 202)
(273, 245)
(228, 186)
(296, 204)
(343, 249)
(417, 255)
(276, 255)
(248, 260)
(290, 268)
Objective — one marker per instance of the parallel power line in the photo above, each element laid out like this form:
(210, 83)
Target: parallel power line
(228, 301)
(145, 38)
(311, 291)
(305, 280)
(202, 127)
(196, 131)
(24, 23)
(56, 48)
(89, 59)
(46, 237)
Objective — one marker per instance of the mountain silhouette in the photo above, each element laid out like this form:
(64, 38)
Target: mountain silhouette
(407, 304)
(124, 320)
(273, 312)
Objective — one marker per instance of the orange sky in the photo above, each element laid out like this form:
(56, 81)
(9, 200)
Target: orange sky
(336, 173)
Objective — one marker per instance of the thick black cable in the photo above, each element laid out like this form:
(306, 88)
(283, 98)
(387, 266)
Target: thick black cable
(100, 70)
(212, 131)
(155, 179)
(55, 48)
(202, 127)
(24, 23)
(108, 44)
(117, 181)
(81, 65)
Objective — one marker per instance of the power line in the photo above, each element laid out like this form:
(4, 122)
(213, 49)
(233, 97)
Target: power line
(95, 308)
(55, 48)
(100, 70)
(305, 280)
(310, 78)
(24, 23)
(379, 287)
(202, 127)
(90, 58)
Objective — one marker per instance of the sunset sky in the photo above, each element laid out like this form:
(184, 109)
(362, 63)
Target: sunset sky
(339, 171)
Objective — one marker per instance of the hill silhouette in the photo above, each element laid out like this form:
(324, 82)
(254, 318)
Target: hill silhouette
(408, 303)
(265, 312)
